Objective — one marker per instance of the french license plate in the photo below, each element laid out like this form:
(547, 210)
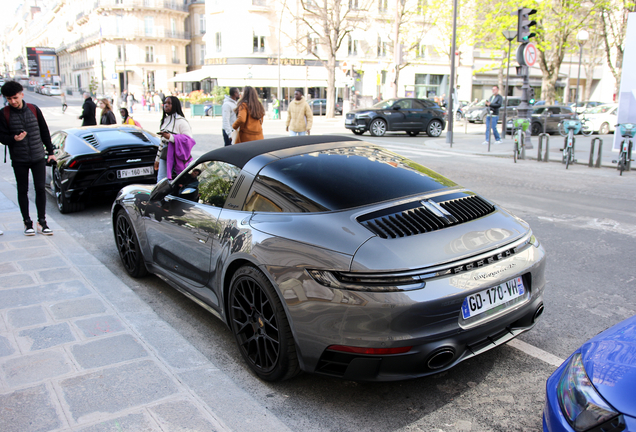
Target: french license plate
(135, 172)
(348, 121)
(492, 297)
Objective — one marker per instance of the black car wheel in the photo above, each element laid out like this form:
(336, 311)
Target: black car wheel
(413, 133)
(378, 127)
(536, 129)
(63, 204)
(128, 246)
(358, 132)
(434, 128)
(260, 326)
(459, 116)
(604, 129)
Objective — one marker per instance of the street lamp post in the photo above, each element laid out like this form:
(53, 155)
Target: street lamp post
(450, 112)
(509, 35)
(278, 95)
(581, 37)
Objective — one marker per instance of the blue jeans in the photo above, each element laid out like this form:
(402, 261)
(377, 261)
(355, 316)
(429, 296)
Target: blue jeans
(492, 124)
(292, 133)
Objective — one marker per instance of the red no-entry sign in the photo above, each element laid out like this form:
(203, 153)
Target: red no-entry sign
(530, 54)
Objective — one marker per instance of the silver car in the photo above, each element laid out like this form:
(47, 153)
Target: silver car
(330, 255)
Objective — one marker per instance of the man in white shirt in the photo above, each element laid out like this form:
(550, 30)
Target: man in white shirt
(229, 115)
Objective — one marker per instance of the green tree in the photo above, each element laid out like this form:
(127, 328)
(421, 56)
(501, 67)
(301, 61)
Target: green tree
(326, 24)
(614, 15)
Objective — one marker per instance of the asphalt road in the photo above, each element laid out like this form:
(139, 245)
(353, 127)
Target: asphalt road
(584, 218)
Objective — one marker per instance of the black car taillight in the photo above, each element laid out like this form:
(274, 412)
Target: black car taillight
(75, 164)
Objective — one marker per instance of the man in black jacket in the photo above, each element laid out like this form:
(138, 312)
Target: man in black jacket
(24, 130)
(88, 111)
(494, 103)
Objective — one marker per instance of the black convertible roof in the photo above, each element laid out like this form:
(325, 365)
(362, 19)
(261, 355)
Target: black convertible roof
(240, 154)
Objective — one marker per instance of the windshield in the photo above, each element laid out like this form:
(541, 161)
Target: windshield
(601, 109)
(385, 104)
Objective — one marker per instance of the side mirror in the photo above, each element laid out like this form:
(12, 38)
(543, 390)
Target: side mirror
(396, 107)
(161, 190)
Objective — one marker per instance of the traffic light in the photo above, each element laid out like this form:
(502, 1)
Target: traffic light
(531, 97)
(524, 24)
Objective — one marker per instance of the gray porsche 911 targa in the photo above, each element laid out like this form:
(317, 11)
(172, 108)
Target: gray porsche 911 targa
(331, 255)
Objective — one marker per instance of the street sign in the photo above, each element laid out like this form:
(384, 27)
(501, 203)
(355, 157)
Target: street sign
(530, 54)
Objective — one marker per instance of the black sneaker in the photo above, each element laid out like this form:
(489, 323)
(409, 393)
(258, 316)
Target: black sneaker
(28, 228)
(43, 228)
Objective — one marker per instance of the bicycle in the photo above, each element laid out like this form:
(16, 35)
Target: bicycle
(520, 126)
(624, 158)
(572, 127)
(586, 127)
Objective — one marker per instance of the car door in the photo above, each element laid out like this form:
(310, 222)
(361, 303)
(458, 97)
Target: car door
(401, 116)
(183, 230)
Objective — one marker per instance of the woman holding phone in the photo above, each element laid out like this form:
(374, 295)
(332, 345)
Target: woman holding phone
(176, 145)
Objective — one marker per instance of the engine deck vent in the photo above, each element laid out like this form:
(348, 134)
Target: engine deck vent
(427, 217)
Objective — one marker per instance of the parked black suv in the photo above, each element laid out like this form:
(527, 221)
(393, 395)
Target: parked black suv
(405, 114)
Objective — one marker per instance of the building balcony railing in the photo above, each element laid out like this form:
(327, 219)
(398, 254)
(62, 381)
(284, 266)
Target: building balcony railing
(83, 65)
(152, 4)
(156, 33)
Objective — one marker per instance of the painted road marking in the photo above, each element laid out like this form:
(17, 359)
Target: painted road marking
(536, 352)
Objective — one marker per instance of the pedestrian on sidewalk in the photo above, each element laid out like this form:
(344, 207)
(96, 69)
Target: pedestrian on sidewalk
(24, 130)
(88, 111)
(494, 103)
(276, 108)
(300, 117)
(63, 99)
(107, 115)
(175, 150)
(229, 115)
(130, 101)
(249, 116)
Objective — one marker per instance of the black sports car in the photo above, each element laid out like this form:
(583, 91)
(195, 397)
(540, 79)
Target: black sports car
(331, 255)
(99, 159)
(407, 114)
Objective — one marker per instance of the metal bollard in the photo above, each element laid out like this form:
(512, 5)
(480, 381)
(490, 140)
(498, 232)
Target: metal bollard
(541, 138)
(598, 155)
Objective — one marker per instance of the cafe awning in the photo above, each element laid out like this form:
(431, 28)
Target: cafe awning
(192, 76)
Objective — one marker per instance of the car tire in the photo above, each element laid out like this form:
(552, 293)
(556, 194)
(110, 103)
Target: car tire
(128, 246)
(259, 324)
(459, 116)
(604, 129)
(434, 128)
(412, 133)
(358, 132)
(377, 127)
(63, 204)
(536, 129)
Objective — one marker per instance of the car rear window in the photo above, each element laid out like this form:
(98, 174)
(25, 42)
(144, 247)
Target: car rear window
(339, 179)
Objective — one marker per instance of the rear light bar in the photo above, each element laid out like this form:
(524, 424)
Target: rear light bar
(81, 161)
(370, 351)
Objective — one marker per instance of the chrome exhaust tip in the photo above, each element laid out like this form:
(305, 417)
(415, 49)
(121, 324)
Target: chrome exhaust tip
(537, 313)
(440, 358)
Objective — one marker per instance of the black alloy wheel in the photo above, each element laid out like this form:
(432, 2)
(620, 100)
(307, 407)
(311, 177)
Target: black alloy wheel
(434, 128)
(63, 204)
(378, 127)
(536, 129)
(413, 133)
(128, 246)
(260, 326)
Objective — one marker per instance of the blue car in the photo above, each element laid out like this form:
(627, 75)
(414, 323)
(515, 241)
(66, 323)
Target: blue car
(595, 388)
